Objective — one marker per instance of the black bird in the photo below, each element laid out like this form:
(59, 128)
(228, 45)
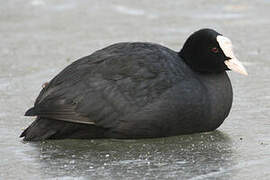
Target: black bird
(139, 90)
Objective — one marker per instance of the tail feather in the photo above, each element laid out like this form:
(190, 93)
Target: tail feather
(38, 131)
(43, 128)
(30, 112)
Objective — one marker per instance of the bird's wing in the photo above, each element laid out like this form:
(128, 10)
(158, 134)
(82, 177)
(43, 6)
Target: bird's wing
(107, 85)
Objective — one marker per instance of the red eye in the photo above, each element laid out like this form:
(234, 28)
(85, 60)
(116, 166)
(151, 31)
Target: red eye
(214, 50)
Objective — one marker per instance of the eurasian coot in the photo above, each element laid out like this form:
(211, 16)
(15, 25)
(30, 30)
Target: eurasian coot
(139, 90)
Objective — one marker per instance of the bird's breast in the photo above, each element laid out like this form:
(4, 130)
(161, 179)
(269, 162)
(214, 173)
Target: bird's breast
(219, 95)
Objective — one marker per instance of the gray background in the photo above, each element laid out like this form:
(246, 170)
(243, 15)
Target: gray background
(38, 38)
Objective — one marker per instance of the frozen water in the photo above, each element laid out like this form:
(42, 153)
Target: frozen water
(39, 38)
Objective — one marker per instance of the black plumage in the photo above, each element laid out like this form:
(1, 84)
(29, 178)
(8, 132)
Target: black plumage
(134, 90)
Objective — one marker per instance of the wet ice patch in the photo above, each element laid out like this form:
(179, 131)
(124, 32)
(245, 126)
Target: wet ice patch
(129, 11)
(62, 7)
(245, 63)
(3, 114)
(238, 7)
(37, 2)
(4, 83)
(219, 16)
(255, 52)
(134, 12)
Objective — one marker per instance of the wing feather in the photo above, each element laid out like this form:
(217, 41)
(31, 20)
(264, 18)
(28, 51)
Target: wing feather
(109, 84)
